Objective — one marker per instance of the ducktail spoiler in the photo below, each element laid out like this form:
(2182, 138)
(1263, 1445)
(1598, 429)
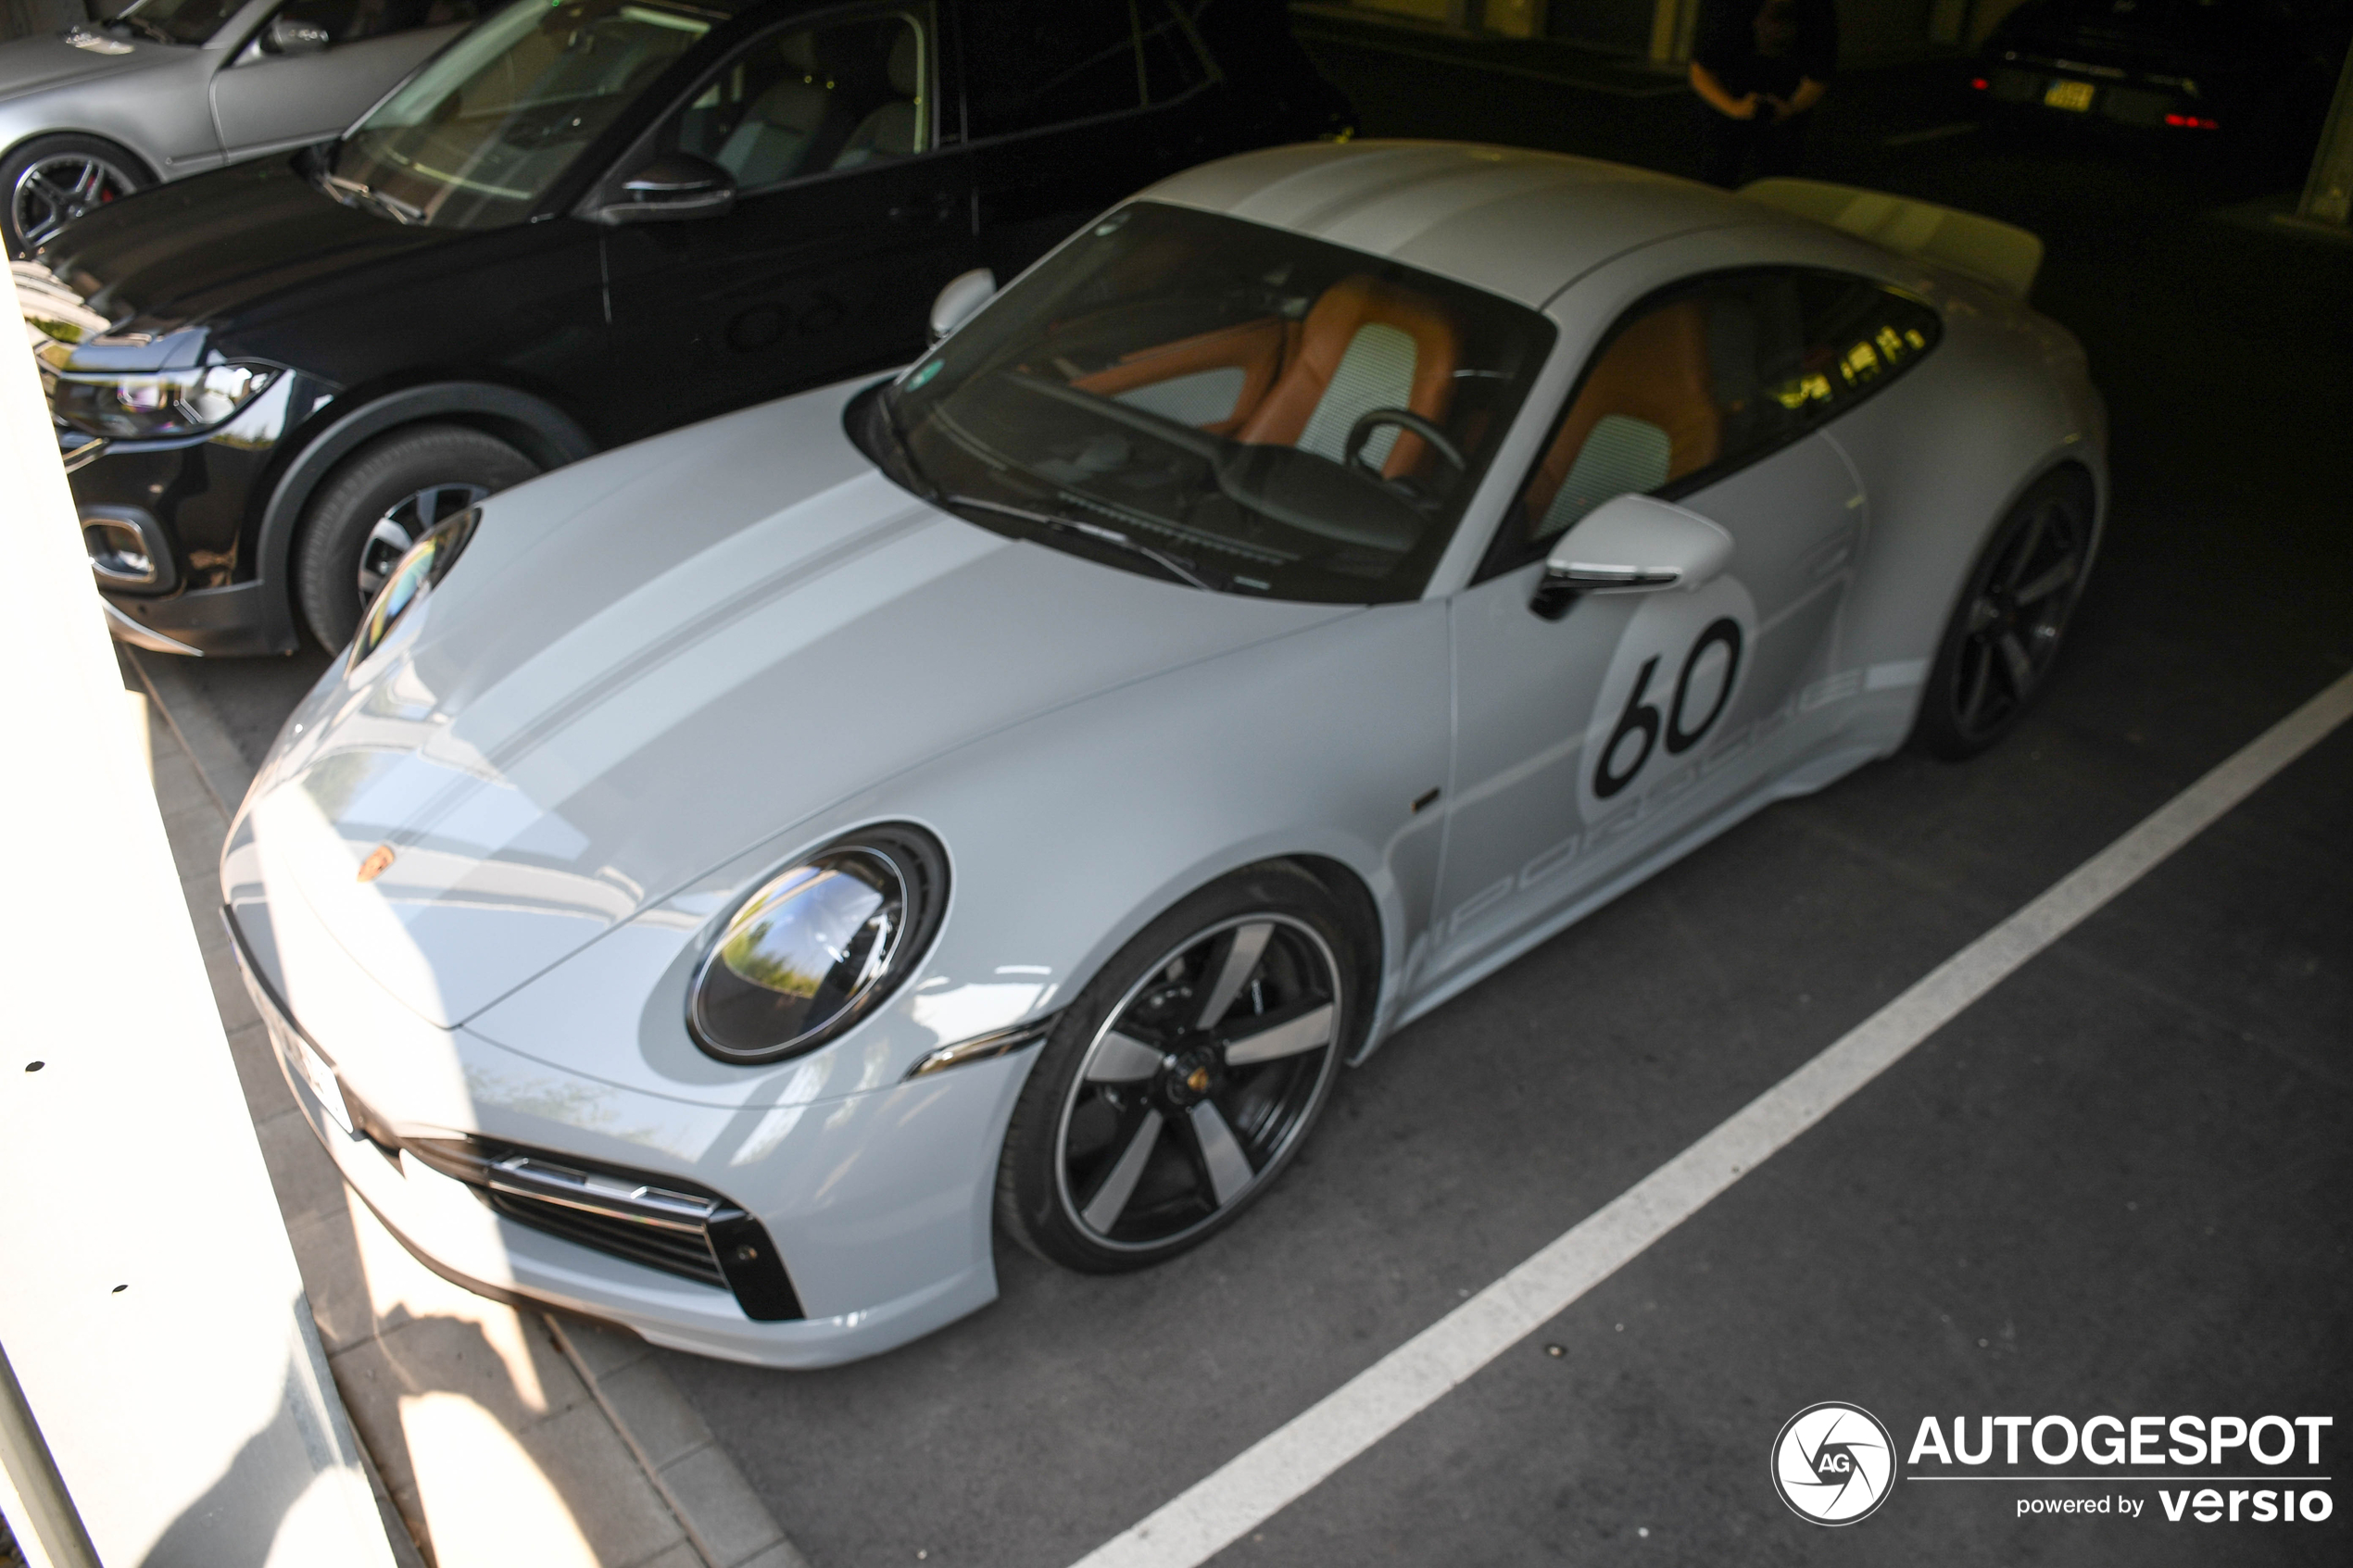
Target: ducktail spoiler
(1994, 254)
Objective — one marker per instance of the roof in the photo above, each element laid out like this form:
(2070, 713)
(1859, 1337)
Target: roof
(1519, 223)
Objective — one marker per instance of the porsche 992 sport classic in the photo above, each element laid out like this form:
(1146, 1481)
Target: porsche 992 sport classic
(730, 880)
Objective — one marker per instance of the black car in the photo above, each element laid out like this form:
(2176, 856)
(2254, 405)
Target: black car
(2255, 75)
(583, 222)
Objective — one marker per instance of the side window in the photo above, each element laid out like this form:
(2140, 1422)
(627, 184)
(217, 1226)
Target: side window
(1028, 66)
(1679, 387)
(813, 99)
(349, 21)
(1858, 336)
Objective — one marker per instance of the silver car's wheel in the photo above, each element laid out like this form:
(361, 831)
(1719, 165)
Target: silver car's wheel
(1998, 651)
(57, 178)
(1196, 1065)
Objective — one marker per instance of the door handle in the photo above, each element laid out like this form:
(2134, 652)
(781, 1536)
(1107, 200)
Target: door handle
(937, 207)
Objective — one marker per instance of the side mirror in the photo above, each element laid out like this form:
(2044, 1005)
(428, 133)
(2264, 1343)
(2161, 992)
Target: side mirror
(956, 304)
(287, 36)
(1633, 544)
(675, 185)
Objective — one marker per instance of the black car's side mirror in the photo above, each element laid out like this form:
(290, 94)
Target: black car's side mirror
(287, 36)
(675, 185)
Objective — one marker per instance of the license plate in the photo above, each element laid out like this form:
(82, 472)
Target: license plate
(317, 1074)
(2065, 94)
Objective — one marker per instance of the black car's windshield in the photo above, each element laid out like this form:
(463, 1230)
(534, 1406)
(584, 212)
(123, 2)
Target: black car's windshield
(1194, 397)
(175, 21)
(474, 139)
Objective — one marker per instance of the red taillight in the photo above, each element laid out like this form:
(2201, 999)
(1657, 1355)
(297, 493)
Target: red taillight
(2193, 122)
(1980, 83)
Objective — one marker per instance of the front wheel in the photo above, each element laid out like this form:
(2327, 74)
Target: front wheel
(1184, 1077)
(2004, 637)
(51, 180)
(384, 498)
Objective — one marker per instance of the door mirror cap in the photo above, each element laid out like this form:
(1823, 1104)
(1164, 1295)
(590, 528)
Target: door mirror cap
(964, 296)
(287, 36)
(1632, 545)
(674, 186)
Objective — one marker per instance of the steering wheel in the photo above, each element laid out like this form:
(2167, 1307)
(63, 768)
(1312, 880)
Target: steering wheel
(1403, 419)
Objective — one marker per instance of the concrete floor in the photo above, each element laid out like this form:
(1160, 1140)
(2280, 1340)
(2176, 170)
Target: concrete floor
(2118, 1184)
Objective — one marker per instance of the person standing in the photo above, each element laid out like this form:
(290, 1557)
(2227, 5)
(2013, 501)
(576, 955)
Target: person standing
(1759, 66)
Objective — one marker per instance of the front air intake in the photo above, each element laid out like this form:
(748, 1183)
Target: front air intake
(655, 1220)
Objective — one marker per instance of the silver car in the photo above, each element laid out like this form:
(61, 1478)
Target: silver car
(731, 879)
(174, 87)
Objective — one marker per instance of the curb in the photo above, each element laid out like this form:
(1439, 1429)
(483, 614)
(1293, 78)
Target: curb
(725, 1518)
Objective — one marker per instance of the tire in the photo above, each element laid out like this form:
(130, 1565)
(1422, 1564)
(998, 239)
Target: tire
(51, 180)
(1138, 1137)
(1998, 651)
(378, 501)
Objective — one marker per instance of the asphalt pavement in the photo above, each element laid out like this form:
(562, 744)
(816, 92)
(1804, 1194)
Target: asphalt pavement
(2116, 1184)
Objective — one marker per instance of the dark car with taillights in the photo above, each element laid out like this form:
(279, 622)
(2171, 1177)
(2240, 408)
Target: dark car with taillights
(582, 223)
(2252, 75)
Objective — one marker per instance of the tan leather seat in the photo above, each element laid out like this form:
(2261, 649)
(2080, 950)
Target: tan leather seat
(1251, 351)
(1305, 410)
(1655, 372)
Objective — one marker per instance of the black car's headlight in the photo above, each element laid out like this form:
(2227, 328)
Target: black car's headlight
(428, 560)
(820, 945)
(149, 405)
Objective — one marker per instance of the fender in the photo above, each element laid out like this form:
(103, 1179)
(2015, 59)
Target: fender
(548, 435)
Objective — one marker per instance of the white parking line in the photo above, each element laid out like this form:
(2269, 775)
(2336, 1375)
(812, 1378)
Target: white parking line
(1291, 1461)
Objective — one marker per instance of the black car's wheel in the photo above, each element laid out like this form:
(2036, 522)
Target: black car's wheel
(51, 180)
(380, 500)
(2003, 638)
(1184, 1077)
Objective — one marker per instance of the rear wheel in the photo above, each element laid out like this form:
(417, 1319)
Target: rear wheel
(1184, 1077)
(51, 180)
(384, 498)
(2004, 637)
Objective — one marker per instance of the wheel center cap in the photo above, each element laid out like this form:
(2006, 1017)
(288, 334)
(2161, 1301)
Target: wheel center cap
(1192, 1076)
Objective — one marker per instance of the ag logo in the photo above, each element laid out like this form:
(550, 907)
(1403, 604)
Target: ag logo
(1676, 672)
(1834, 1464)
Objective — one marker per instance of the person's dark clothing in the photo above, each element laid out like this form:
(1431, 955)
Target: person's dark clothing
(1766, 46)
(1733, 152)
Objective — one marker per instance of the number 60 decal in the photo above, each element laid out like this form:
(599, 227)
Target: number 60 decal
(1671, 680)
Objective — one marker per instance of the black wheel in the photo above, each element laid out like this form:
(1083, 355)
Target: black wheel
(51, 180)
(2005, 635)
(380, 500)
(1184, 1077)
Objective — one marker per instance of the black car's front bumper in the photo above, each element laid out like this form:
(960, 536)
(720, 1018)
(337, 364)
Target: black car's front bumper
(170, 532)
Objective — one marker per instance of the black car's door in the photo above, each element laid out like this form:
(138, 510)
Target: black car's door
(1070, 108)
(850, 215)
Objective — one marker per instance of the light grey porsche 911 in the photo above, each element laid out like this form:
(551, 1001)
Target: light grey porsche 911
(730, 878)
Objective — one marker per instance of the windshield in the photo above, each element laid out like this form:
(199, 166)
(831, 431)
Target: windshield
(1193, 396)
(474, 139)
(175, 21)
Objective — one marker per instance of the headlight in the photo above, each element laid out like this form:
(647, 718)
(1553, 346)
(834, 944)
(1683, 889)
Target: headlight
(161, 403)
(820, 945)
(428, 560)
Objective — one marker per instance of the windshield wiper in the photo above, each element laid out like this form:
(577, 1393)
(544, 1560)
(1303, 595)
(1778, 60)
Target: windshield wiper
(1174, 565)
(351, 190)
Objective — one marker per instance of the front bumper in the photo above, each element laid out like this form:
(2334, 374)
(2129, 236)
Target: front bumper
(878, 1203)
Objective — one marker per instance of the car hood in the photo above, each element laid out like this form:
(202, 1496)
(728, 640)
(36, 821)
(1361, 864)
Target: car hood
(30, 64)
(649, 664)
(200, 251)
